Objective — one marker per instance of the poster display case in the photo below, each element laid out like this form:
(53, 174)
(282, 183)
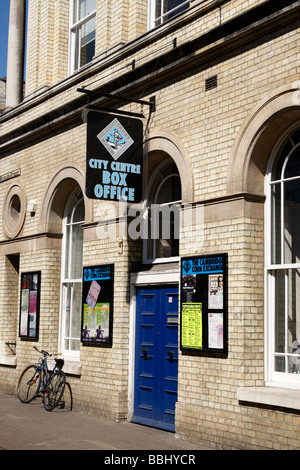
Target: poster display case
(204, 304)
(97, 304)
(30, 305)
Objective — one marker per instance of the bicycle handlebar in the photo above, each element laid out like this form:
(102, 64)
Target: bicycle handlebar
(45, 353)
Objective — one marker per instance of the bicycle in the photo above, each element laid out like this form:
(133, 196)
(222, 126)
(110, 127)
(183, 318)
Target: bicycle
(36, 379)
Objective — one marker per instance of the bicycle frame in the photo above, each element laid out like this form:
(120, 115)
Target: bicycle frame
(44, 373)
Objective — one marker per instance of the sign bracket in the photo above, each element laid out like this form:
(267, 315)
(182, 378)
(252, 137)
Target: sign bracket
(93, 107)
(92, 94)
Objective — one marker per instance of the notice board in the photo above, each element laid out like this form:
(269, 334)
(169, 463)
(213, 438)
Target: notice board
(203, 309)
(97, 304)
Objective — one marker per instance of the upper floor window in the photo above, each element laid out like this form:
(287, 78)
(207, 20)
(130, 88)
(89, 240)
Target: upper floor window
(82, 33)
(163, 10)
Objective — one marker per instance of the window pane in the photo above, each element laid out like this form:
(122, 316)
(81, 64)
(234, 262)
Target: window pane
(172, 4)
(78, 215)
(277, 168)
(167, 243)
(87, 47)
(169, 191)
(67, 315)
(293, 165)
(276, 224)
(76, 252)
(296, 136)
(293, 307)
(287, 320)
(75, 317)
(292, 221)
(86, 8)
(75, 11)
(280, 320)
(158, 8)
(67, 244)
(293, 337)
(72, 317)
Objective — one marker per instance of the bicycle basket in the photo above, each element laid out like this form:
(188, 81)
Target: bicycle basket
(59, 363)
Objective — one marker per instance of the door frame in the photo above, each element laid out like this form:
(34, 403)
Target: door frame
(140, 279)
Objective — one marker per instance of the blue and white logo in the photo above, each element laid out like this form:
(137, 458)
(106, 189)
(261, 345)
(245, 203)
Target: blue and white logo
(115, 139)
(186, 266)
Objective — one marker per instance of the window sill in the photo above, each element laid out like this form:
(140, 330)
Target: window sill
(8, 361)
(70, 367)
(280, 397)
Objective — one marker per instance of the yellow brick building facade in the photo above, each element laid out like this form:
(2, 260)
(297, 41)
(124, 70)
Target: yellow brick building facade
(225, 77)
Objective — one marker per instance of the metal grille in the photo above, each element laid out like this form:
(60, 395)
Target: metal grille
(211, 82)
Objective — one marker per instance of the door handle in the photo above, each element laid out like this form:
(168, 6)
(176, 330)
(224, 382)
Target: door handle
(171, 355)
(145, 352)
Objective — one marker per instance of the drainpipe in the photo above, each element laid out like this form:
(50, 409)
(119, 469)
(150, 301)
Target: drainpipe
(15, 53)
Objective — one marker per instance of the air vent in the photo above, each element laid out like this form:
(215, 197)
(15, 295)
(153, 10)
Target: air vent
(211, 83)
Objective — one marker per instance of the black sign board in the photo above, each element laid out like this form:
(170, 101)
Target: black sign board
(97, 304)
(204, 304)
(30, 305)
(114, 164)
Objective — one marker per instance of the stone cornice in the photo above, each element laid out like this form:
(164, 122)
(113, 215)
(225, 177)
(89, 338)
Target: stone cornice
(35, 242)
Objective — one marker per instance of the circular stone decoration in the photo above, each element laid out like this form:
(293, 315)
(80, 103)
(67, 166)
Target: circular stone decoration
(14, 211)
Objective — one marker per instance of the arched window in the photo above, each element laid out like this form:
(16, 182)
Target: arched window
(283, 263)
(162, 214)
(71, 279)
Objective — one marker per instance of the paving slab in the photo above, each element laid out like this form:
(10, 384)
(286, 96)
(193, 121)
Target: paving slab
(31, 427)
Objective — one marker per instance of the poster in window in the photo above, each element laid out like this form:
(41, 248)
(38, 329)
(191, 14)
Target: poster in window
(204, 304)
(29, 305)
(97, 304)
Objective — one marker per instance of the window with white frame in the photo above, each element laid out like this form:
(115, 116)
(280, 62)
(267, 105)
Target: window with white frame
(82, 33)
(161, 237)
(71, 277)
(283, 263)
(163, 10)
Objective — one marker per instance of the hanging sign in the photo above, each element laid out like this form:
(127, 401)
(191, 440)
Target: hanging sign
(204, 304)
(29, 305)
(114, 164)
(97, 304)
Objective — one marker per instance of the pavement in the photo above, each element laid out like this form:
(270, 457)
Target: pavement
(31, 427)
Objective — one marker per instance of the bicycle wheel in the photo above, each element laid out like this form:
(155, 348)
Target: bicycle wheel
(29, 384)
(54, 390)
(66, 402)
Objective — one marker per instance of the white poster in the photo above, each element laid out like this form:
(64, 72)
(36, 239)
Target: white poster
(215, 330)
(215, 291)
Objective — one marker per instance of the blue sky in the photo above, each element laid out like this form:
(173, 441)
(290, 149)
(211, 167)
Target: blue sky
(4, 19)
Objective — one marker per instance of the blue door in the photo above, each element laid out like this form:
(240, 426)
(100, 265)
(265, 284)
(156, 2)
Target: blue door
(156, 357)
